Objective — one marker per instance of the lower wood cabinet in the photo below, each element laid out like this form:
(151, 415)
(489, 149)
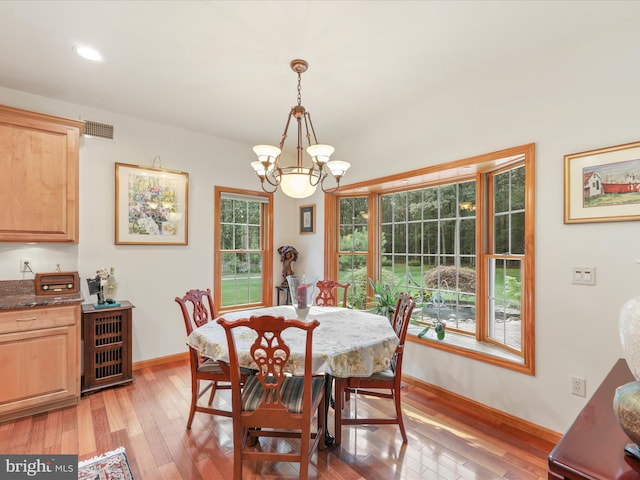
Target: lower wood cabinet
(40, 358)
(106, 333)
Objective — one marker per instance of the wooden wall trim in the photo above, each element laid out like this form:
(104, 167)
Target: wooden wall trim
(177, 357)
(497, 416)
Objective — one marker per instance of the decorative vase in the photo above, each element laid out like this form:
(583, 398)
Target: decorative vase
(303, 289)
(629, 327)
(626, 407)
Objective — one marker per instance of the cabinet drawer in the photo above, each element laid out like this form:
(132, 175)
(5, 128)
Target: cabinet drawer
(37, 318)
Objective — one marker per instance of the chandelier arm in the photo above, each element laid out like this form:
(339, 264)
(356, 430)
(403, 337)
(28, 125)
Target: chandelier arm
(286, 129)
(275, 174)
(320, 175)
(275, 187)
(331, 190)
(307, 121)
(313, 130)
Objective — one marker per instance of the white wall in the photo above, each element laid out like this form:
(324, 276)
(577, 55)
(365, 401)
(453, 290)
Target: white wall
(586, 97)
(149, 276)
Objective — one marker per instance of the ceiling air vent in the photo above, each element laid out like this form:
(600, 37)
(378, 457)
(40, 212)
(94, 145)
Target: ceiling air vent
(98, 130)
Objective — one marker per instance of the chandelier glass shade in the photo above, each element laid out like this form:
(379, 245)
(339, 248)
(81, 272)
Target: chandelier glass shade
(299, 181)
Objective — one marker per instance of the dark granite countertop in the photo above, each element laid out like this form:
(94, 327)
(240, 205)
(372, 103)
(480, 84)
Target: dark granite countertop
(21, 294)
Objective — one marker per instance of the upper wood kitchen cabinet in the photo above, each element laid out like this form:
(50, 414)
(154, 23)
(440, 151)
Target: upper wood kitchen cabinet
(39, 157)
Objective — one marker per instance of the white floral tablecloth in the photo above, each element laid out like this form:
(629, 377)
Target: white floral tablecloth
(347, 343)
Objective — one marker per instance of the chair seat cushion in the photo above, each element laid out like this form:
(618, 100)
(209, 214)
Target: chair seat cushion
(386, 375)
(290, 392)
(210, 366)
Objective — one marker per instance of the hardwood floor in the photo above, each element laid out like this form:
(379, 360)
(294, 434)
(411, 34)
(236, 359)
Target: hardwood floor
(149, 417)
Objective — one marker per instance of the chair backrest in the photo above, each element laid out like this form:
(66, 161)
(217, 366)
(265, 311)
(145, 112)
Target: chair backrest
(327, 293)
(195, 310)
(270, 354)
(401, 319)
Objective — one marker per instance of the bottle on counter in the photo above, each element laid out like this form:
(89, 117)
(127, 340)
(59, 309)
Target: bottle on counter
(110, 287)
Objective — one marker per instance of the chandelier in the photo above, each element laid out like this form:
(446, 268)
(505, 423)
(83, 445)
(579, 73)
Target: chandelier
(298, 181)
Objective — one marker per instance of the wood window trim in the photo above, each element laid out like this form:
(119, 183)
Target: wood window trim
(456, 171)
(267, 250)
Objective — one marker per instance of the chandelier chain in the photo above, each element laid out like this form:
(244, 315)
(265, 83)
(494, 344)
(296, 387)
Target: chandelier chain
(299, 89)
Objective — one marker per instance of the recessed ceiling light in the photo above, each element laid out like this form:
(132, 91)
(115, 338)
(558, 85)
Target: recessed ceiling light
(88, 53)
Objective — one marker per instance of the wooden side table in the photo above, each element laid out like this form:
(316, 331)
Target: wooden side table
(593, 447)
(106, 333)
(287, 295)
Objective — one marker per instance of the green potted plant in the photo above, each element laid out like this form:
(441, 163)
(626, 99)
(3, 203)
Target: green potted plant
(385, 298)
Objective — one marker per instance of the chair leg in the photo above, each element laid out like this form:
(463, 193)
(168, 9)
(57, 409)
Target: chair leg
(337, 411)
(239, 439)
(195, 384)
(213, 392)
(396, 398)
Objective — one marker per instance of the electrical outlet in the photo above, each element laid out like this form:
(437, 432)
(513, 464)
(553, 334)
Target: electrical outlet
(26, 265)
(579, 386)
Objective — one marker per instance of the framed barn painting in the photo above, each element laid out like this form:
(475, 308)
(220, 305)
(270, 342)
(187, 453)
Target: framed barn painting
(152, 206)
(602, 185)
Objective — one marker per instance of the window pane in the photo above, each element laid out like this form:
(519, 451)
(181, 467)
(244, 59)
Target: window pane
(346, 238)
(468, 236)
(467, 199)
(361, 210)
(386, 208)
(226, 210)
(254, 213)
(501, 234)
(346, 211)
(240, 211)
(430, 238)
(447, 236)
(430, 198)
(254, 237)
(415, 238)
(361, 238)
(448, 201)
(240, 237)
(399, 207)
(386, 239)
(505, 301)
(415, 205)
(517, 188)
(517, 233)
(400, 238)
(226, 237)
(501, 191)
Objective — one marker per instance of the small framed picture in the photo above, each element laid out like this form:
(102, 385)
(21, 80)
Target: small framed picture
(151, 206)
(602, 185)
(308, 219)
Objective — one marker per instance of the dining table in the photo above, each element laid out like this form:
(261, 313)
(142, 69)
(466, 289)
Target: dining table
(347, 343)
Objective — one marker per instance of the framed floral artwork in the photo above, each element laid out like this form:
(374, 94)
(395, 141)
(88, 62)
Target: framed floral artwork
(602, 185)
(152, 206)
(308, 219)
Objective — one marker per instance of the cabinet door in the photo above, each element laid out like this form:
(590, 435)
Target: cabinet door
(39, 367)
(39, 181)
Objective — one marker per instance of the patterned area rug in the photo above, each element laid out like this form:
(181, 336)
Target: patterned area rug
(109, 466)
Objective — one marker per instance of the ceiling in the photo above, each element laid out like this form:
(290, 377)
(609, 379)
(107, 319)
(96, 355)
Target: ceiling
(222, 67)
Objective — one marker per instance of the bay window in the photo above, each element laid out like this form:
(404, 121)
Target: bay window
(459, 238)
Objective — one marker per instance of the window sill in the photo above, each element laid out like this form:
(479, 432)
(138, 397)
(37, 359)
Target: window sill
(468, 346)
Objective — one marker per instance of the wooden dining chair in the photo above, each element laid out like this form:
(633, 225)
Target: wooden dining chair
(385, 384)
(273, 403)
(197, 310)
(328, 293)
